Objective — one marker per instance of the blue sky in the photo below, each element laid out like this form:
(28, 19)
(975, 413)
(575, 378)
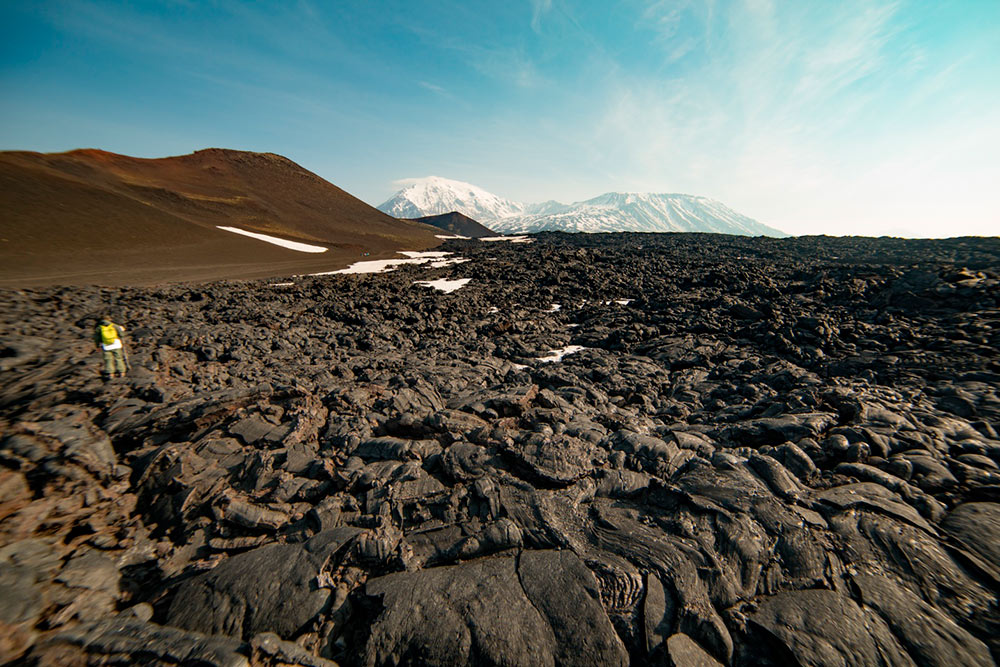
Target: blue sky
(813, 116)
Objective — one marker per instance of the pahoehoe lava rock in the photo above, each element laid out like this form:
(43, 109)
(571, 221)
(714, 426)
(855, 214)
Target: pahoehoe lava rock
(758, 452)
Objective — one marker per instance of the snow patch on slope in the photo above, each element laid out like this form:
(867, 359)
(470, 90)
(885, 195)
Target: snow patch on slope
(557, 355)
(444, 285)
(435, 259)
(284, 243)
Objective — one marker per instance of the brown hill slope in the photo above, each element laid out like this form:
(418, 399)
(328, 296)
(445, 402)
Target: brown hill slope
(90, 216)
(457, 223)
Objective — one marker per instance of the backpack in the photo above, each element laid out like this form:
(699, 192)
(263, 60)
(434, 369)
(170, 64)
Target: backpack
(109, 333)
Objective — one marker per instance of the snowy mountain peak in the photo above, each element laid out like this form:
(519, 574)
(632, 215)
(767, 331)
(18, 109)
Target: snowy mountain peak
(610, 212)
(434, 195)
(638, 212)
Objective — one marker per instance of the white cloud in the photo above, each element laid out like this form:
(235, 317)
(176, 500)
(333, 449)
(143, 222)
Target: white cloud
(436, 89)
(430, 86)
(510, 65)
(786, 120)
(538, 9)
(403, 182)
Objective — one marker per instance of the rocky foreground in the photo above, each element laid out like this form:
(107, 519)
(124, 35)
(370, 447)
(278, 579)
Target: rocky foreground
(768, 452)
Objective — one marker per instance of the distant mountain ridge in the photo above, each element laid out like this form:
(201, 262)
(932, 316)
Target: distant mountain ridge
(639, 212)
(610, 212)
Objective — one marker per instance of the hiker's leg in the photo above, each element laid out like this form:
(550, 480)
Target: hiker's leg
(120, 362)
(109, 362)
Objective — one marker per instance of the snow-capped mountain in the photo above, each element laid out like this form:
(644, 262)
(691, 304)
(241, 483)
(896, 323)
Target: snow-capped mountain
(435, 195)
(611, 212)
(636, 212)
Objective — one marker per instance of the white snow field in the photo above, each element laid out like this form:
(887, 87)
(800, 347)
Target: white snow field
(439, 263)
(557, 355)
(444, 285)
(508, 239)
(284, 243)
(417, 254)
(434, 258)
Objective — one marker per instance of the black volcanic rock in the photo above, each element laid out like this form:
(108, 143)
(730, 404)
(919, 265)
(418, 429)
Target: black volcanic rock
(541, 608)
(457, 223)
(271, 588)
(818, 627)
(761, 452)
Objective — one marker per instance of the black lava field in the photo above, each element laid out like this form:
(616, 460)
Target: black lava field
(757, 452)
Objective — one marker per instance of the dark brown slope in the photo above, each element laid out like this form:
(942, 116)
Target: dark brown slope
(457, 223)
(91, 216)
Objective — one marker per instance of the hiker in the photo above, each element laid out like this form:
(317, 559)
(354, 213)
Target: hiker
(109, 337)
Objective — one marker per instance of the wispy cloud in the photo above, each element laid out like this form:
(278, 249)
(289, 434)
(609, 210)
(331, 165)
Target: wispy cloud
(433, 88)
(776, 106)
(664, 17)
(500, 60)
(508, 65)
(539, 8)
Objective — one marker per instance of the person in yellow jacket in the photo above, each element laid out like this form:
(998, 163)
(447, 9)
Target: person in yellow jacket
(110, 338)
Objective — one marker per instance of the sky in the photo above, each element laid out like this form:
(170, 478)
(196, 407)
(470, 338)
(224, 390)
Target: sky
(874, 117)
